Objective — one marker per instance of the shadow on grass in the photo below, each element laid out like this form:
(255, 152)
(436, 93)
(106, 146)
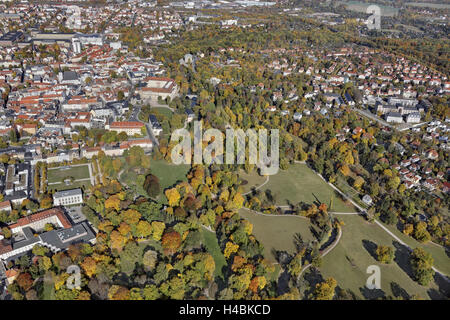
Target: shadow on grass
(399, 292)
(443, 284)
(371, 248)
(312, 277)
(283, 283)
(402, 258)
(372, 294)
(317, 202)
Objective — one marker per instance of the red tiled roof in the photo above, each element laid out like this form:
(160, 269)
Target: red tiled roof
(42, 215)
(126, 124)
(5, 204)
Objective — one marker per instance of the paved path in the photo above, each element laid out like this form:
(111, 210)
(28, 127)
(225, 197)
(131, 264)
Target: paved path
(78, 180)
(91, 175)
(274, 215)
(409, 248)
(258, 187)
(324, 253)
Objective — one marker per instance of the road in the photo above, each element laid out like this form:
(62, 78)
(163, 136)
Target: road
(373, 117)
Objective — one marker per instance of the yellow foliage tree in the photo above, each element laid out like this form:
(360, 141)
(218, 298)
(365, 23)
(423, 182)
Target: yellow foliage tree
(230, 248)
(173, 197)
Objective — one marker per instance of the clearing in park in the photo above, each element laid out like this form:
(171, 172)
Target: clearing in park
(277, 232)
(300, 183)
(348, 263)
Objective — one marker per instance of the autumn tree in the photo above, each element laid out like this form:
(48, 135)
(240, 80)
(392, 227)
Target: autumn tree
(325, 290)
(151, 185)
(171, 241)
(385, 254)
(422, 263)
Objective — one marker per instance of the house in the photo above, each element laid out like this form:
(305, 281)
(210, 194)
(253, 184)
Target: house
(432, 154)
(129, 127)
(430, 184)
(446, 187)
(413, 117)
(297, 116)
(5, 206)
(367, 199)
(405, 163)
(394, 117)
(190, 115)
(155, 125)
(68, 197)
(69, 77)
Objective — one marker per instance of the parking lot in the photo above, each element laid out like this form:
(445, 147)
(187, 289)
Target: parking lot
(75, 214)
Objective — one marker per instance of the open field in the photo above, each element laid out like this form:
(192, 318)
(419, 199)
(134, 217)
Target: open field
(211, 244)
(168, 173)
(58, 174)
(253, 180)
(348, 262)
(277, 232)
(299, 183)
(163, 111)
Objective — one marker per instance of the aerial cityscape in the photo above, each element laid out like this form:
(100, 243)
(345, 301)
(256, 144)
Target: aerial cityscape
(224, 150)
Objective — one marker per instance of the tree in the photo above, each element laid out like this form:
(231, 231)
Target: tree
(421, 233)
(158, 229)
(325, 290)
(24, 281)
(171, 241)
(89, 266)
(230, 248)
(385, 254)
(6, 232)
(151, 185)
(143, 229)
(150, 259)
(173, 197)
(422, 263)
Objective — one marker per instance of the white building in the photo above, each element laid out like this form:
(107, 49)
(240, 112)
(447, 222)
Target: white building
(413, 117)
(68, 197)
(394, 117)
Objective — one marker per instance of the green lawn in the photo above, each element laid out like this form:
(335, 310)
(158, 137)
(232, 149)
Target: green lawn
(348, 261)
(48, 292)
(253, 180)
(58, 174)
(211, 244)
(74, 185)
(275, 232)
(299, 183)
(168, 173)
(162, 111)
